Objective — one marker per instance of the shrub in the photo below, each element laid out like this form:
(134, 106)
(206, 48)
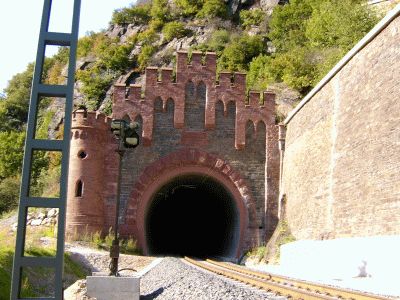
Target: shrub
(296, 68)
(212, 9)
(188, 7)
(146, 53)
(217, 42)
(339, 23)
(95, 84)
(259, 75)
(160, 10)
(147, 37)
(251, 17)
(238, 54)
(137, 14)
(288, 23)
(85, 45)
(173, 30)
(156, 25)
(115, 57)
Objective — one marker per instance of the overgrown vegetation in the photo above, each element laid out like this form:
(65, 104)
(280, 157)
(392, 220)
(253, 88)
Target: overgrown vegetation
(104, 242)
(35, 282)
(310, 36)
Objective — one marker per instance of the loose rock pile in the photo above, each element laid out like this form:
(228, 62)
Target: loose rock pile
(43, 218)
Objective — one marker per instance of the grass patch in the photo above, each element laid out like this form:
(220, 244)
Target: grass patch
(34, 281)
(104, 242)
(257, 253)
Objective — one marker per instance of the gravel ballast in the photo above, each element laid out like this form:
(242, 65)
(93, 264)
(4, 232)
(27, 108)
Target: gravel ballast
(173, 279)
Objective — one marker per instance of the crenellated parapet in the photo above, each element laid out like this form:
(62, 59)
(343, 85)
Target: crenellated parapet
(90, 124)
(259, 108)
(195, 70)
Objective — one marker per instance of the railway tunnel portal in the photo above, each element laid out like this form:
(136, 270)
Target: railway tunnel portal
(204, 180)
(193, 215)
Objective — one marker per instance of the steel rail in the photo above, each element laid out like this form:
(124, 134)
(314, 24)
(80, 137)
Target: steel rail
(292, 288)
(302, 284)
(278, 288)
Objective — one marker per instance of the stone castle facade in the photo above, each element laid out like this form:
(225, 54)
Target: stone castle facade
(193, 122)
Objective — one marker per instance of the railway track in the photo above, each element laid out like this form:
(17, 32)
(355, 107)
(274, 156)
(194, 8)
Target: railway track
(285, 286)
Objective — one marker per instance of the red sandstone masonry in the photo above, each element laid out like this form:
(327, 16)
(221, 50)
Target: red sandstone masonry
(89, 133)
(257, 107)
(215, 146)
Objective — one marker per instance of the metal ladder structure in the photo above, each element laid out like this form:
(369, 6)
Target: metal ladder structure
(32, 144)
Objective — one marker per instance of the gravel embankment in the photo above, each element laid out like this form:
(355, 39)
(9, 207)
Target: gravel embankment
(173, 279)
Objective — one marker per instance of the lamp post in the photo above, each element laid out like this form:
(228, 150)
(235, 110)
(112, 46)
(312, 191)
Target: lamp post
(127, 137)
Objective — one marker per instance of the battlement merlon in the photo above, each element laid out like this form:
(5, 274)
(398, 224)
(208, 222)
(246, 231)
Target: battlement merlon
(263, 101)
(81, 118)
(196, 62)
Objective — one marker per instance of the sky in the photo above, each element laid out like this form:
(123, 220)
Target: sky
(20, 25)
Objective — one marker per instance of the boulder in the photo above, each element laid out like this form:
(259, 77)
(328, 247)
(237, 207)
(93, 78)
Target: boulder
(52, 213)
(41, 216)
(36, 222)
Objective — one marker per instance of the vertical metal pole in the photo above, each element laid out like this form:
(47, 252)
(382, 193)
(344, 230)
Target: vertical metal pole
(32, 144)
(114, 250)
(281, 141)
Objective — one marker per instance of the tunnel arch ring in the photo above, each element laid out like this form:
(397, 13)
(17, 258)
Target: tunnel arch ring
(188, 162)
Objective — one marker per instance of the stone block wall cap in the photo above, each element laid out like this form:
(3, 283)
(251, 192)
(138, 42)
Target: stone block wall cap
(197, 52)
(211, 53)
(135, 85)
(120, 84)
(167, 69)
(225, 72)
(151, 68)
(182, 51)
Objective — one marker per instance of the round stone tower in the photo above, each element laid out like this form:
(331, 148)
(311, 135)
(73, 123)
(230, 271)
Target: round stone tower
(90, 135)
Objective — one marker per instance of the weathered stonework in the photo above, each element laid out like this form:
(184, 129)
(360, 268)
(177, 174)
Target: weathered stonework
(341, 165)
(189, 123)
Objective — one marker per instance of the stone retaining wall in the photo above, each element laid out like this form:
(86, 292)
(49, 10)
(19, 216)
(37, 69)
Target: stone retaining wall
(341, 166)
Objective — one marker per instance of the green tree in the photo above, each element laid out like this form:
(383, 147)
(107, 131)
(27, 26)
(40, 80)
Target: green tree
(11, 153)
(288, 24)
(310, 36)
(339, 23)
(9, 193)
(14, 109)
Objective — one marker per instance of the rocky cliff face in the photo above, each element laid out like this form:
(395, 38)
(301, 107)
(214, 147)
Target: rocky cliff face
(198, 33)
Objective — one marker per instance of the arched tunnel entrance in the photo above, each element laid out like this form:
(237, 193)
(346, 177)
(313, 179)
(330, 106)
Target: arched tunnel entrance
(192, 215)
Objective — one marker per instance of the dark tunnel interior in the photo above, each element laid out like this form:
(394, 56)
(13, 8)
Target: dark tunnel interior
(192, 215)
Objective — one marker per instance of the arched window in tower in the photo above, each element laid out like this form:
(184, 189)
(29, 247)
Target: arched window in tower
(79, 188)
